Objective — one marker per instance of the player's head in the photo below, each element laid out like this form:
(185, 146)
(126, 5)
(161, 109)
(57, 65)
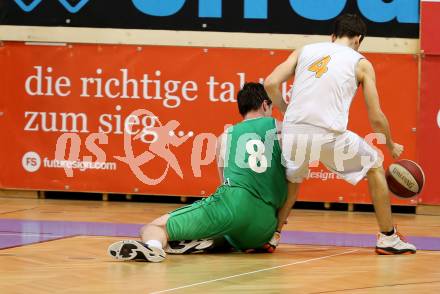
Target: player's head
(253, 98)
(352, 27)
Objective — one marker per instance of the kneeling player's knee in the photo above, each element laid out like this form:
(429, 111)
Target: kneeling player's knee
(151, 229)
(161, 221)
(144, 229)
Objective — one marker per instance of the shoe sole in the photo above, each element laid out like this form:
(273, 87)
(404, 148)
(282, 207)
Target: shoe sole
(134, 250)
(392, 251)
(192, 247)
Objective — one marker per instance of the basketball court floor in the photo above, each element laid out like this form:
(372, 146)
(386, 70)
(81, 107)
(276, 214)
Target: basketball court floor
(59, 246)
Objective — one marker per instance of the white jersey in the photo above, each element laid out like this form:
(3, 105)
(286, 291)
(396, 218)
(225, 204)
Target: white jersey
(324, 87)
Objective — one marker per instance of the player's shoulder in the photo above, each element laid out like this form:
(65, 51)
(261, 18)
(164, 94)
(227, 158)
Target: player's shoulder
(364, 65)
(365, 62)
(364, 68)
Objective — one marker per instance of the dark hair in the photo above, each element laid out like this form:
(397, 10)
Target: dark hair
(250, 97)
(350, 25)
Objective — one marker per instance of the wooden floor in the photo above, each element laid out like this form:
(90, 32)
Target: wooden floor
(79, 264)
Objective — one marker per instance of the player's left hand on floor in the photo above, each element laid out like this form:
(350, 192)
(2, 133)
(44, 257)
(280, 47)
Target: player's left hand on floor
(273, 243)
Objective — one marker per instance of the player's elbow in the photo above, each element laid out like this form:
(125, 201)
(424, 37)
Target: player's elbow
(376, 124)
(377, 120)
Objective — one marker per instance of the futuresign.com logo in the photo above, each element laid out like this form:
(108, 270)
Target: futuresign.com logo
(31, 161)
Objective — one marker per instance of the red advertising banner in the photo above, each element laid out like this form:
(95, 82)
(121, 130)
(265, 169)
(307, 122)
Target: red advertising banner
(429, 129)
(130, 119)
(429, 26)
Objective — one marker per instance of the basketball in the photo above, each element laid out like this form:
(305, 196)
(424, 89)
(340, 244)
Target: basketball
(405, 178)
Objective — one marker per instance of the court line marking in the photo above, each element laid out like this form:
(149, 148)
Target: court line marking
(376, 287)
(18, 210)
(254, 272)
(37, 242)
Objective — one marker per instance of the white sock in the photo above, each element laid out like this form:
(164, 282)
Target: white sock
(154, 243)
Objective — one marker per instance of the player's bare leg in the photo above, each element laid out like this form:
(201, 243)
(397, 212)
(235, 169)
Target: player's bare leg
(379, 193)
(156, 232)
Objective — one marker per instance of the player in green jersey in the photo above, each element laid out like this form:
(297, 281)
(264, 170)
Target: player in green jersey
(244, 209)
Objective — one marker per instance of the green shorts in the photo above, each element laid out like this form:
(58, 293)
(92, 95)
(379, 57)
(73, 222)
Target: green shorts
(231, 212)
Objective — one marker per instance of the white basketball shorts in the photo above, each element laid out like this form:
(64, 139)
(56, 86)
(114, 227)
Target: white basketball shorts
(345, 154)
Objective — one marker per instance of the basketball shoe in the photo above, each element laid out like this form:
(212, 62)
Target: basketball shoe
(189, 246)
(394, 244)
(135, 250)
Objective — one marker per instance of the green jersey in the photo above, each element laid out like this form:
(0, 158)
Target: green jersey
(253, 160)
(244, 210)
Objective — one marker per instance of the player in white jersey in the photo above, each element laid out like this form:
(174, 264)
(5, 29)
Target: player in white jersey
(327, 76)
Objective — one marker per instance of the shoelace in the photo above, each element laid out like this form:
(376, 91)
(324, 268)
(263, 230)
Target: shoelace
(401, 237)
(397, 233)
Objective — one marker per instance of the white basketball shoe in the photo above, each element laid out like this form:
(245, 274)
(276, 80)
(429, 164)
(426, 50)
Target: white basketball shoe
(189, 246)
(135, 250)
(394, 244)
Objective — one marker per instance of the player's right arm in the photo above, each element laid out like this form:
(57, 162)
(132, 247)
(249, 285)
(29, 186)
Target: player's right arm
(367, 77)
(279, 75)
(292, 190)
(284, 211)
